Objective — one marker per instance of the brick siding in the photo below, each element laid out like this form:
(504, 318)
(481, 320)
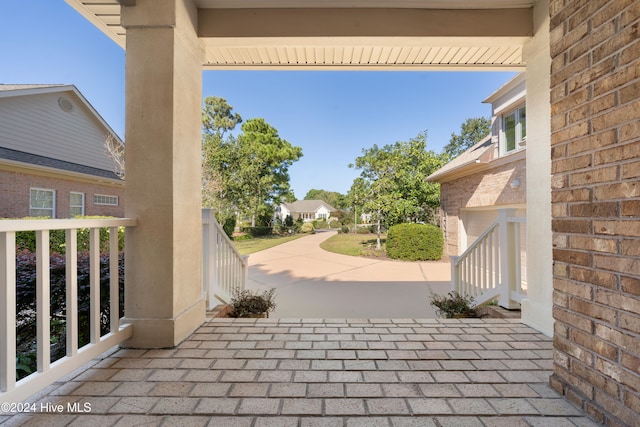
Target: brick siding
(15, 194)
(595, 141)
(481, 189)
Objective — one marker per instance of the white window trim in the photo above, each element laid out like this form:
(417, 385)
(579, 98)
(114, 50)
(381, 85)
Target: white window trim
(117, 201)
(520, 142)
(53, 209)
(81, 206)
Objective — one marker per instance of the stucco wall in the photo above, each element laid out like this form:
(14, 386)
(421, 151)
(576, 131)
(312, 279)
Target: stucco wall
(595, 142)
(487, 188)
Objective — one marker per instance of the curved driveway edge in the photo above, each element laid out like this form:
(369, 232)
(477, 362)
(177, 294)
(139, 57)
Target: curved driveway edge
(313, 283)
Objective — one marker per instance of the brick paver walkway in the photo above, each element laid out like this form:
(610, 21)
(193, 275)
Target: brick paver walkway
(314, 372)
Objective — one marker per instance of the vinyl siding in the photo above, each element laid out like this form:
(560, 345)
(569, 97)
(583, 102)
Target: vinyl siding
(36, 124)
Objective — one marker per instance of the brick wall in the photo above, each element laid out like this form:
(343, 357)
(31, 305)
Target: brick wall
(595, 143)
(486, 188)
(15, 193)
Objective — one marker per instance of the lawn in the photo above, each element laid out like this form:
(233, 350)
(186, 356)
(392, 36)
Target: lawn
(355, 244)
(246, 247)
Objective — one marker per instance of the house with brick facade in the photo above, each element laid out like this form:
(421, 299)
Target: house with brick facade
(53, 160)
(489, 176)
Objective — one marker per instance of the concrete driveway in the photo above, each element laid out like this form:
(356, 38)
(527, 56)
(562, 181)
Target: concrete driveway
(313, 283)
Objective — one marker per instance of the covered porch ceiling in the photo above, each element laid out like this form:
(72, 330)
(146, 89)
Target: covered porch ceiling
(353, 34)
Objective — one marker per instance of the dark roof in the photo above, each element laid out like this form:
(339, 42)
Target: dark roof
(34, 159)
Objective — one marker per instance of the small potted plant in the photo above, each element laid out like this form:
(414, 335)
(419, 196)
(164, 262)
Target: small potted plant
(453, 305)
(247, 303)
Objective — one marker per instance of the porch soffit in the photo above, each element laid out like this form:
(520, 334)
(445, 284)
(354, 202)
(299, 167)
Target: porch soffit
(355, 34)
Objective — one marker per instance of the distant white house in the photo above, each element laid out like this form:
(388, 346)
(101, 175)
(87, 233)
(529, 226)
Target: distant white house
(53, 161)
(308, 210)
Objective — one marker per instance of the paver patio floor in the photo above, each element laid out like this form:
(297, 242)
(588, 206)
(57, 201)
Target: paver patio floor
(321, 372)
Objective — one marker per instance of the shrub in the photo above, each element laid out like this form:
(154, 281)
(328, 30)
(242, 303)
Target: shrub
(26, 303)
(335, 224)
(247, 303)
(415, 242)
(307, 227)
(288, 221)
(229, 225)
(321, 224)
(257, 231)
(453, 305)
(57, 238)
(344, 229)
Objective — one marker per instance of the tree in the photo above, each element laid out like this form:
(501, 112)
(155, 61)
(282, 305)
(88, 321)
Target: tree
(115, 150)
(333, 198)
(472, 131)
(262, 173)
(393, 182)
(218, 117)
(219, 158)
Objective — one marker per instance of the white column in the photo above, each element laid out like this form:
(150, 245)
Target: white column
(537, 307)
(163, 290)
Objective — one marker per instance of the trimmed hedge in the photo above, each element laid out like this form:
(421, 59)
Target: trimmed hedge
(257, 231)
(26, 304)
(307, 227)
(57, 238)
(415, 242)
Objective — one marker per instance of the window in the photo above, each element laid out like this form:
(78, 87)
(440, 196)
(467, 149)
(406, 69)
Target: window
(103, 199)
(322, 216)
(42, 202)
(514, 129)
(76, 204)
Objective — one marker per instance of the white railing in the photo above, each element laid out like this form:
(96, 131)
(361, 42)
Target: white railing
(492, 266)
(224, 270)
(48, 372)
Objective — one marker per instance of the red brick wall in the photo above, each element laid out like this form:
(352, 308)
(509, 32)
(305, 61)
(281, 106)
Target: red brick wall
(595, 143)
(487, 188)
(15, 192)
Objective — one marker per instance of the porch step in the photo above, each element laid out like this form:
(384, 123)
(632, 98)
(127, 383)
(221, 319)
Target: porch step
(496, 312)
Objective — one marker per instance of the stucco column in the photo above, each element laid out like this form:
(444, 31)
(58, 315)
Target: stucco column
(537, 307)
(163, 295)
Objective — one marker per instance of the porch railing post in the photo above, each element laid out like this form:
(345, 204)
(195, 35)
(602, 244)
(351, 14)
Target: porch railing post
(8, 312)
(455, 274)
(209, 257)
(508, 263)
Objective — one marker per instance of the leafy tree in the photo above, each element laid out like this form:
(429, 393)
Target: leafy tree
(218, 117)
(218, 157)
(245, 174)
(471, 131)
(393, 182)
(335, 199)
(262, 174)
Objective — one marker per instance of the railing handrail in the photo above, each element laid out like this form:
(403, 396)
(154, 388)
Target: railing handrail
(49, 371)
(476, 242)
(224, 269)
(205, 220)
(7, 225)
(489, 267)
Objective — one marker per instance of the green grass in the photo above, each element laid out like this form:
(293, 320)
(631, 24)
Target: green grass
(257, 244)
(354, 244)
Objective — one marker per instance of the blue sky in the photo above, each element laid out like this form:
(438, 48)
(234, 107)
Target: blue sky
(331, 115)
